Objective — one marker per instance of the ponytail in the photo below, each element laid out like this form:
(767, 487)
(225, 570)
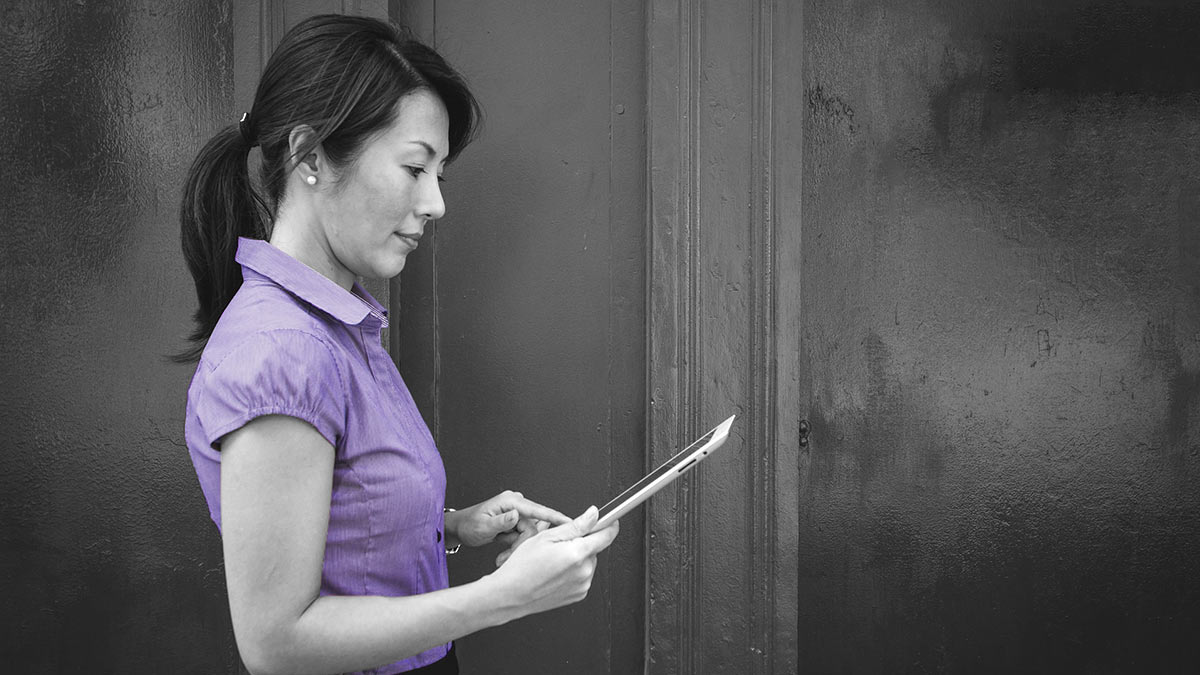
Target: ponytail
(219, 205)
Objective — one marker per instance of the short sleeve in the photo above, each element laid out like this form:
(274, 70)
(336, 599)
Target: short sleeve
(281, 372)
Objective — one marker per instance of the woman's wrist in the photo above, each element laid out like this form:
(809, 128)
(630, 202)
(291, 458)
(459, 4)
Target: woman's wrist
(501, 605)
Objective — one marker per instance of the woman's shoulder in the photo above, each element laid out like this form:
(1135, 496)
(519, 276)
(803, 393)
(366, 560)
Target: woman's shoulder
(264, 320)
(268, 358)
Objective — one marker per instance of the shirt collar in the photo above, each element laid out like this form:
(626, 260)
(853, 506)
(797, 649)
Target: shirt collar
(349, 307)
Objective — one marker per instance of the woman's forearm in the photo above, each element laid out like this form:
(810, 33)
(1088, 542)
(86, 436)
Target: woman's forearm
(336, 634)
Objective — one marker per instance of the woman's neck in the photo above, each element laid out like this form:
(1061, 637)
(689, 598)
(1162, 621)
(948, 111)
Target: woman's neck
(305, 242)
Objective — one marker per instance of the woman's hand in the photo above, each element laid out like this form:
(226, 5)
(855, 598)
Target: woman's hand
(506, 512)
(555, 566)
(526, 528)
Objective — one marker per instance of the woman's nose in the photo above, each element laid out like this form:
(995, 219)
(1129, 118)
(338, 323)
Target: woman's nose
(431, 205)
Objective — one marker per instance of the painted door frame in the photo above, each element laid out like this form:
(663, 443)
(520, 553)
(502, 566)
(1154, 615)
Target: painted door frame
(752, 310)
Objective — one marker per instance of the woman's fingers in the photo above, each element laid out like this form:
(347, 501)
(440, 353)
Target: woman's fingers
(536, 511)
(576, 528)
(527, 530)
(505, 521)
(529, 508)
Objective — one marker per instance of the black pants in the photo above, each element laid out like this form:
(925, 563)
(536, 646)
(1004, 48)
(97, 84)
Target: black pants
(447, 665)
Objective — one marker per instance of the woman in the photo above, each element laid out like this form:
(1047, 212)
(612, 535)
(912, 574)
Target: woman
(317, 467)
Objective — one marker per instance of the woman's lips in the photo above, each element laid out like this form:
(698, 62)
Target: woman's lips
(408, 239)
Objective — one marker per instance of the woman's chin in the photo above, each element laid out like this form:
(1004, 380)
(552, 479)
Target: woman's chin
(384, 269)
(395, 266)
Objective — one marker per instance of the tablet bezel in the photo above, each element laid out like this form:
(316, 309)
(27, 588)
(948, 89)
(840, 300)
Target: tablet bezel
(683, 461)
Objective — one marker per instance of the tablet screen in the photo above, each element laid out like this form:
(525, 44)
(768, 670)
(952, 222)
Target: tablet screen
(666, 466)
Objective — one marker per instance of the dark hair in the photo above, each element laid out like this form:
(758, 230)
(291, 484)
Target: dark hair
(343, 77)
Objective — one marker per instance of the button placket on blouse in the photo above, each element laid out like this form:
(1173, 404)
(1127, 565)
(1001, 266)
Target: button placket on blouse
(390, 382)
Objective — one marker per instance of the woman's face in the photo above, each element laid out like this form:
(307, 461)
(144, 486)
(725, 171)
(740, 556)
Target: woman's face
(378, 210)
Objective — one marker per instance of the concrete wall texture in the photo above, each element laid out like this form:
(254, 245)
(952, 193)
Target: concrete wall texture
(1001, 337)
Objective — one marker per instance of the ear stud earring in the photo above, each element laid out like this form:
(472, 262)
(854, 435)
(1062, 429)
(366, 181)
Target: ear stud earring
(311, 180)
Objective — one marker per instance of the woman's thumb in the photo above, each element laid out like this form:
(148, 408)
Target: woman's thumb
(578, 527)
(506, 521)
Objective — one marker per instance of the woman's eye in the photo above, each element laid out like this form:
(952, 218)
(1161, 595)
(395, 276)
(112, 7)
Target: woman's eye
(416, 172)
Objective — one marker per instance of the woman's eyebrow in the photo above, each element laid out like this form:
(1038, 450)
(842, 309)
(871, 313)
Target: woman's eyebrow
(428, 148)
(431, 153)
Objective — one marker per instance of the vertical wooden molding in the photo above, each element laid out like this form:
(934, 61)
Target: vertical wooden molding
(760, 423)
(764, 330)
(690, 365)
(675, 372)
(272, 26)
(785, 44)
(663, 194)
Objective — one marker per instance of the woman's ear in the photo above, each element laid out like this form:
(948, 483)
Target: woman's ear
(299, 140)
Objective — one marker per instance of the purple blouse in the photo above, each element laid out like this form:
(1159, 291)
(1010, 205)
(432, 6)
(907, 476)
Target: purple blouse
(292, 342)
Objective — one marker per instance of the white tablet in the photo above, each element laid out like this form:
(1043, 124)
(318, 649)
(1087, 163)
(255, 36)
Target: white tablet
(671, 469)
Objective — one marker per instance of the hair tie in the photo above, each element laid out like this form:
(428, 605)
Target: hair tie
(244, 127)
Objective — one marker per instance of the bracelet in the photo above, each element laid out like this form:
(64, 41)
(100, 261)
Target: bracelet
(451, 551)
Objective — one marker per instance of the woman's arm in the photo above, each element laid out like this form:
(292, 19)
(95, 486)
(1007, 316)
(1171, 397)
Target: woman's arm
(276, 478)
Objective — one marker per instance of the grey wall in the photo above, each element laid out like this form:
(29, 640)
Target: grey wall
(1001, 339)
(999, 325)
(108, 561)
